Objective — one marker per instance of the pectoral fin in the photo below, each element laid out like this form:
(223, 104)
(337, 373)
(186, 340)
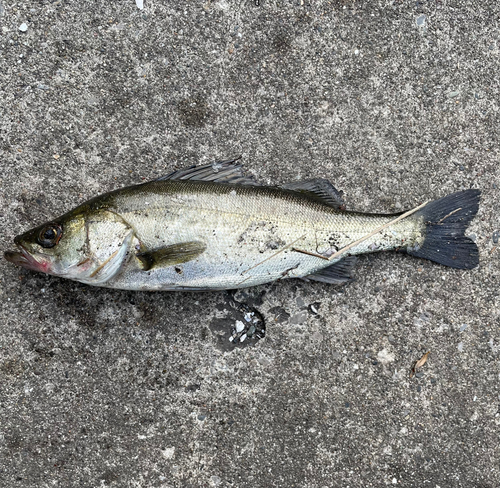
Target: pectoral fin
(171, 255)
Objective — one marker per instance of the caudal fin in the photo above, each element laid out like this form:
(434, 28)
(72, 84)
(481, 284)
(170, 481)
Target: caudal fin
(446, 220)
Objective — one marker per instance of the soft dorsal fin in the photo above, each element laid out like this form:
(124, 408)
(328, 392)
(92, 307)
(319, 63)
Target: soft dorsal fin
(320, 189)
(336, 273)
(170, 255)
(218, 172)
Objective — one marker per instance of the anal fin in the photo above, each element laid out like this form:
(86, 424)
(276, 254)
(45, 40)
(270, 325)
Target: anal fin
(171, 255)
(337, 273)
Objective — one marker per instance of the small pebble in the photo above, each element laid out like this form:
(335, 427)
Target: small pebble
(243, 337)
(421, 20)
(463, 327)
(299, 318)
(460, 346)
(453, 94)
(239, 326)
(391, 339)
(202, 417)
(420, 374)
(495, 237)
(140, 4)
(23, 27)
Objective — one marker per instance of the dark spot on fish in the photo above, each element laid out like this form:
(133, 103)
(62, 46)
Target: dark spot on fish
(334, 241)
(285, 273)
(178, 270)
(275, 244)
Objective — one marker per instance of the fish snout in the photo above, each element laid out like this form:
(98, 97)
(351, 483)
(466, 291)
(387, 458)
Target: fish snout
(25, 259)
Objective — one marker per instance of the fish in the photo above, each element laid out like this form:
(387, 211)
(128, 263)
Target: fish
(212, 227)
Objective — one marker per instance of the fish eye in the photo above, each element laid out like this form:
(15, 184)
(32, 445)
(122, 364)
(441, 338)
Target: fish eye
(50, 235)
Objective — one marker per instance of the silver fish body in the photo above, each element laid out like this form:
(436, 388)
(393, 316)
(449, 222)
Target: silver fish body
(210, 233)
(250, 234)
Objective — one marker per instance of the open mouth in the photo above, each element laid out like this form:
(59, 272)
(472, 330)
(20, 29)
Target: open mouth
(25, 259)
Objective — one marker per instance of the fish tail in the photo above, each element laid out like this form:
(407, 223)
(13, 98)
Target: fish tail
(446, 220)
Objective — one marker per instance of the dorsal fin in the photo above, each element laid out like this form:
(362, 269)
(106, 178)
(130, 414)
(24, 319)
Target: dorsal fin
(218, 172)
(320, 189)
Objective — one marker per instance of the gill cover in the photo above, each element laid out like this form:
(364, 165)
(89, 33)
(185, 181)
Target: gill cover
(105, 249)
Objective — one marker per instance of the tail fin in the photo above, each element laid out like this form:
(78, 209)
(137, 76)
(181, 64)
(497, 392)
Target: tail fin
(446, 220)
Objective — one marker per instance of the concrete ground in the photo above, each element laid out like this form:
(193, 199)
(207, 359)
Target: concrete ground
(395, 102)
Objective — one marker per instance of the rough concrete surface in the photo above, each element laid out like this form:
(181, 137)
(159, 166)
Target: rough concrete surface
(395, 102)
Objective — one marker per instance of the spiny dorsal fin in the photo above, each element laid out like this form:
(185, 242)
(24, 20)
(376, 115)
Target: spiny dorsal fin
(219, 172)
(318, 188)
(337, 273)
(170, 255)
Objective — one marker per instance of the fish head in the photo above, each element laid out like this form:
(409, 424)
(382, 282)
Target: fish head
(86, 246)
(51, 248)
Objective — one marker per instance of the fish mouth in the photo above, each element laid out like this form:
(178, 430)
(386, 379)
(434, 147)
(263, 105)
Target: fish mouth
(25, 259)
